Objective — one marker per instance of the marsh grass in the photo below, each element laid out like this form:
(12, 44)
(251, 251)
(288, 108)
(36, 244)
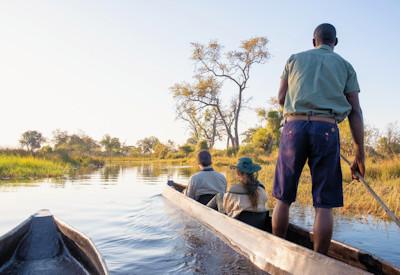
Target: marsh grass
(28, 167)
(383, 176)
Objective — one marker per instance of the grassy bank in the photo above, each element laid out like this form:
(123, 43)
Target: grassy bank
(27, 167)
(383, 176)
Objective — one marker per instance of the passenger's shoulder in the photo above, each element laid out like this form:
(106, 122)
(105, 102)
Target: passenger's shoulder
(218, 174)
(237, 188)
(196, 176)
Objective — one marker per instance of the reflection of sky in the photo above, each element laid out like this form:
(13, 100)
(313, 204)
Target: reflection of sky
(369, 234)
(120, 208)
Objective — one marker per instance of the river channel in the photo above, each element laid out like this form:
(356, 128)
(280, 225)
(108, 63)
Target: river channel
(138, 232)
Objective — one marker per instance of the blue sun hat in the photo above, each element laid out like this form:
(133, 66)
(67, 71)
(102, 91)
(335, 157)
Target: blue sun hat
(246, 165)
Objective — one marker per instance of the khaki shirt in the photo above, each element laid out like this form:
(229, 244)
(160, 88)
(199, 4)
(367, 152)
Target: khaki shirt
(318, 81)
(205, 182)
(237, 200)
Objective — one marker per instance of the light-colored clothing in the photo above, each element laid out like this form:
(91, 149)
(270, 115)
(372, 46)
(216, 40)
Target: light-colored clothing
(318, 81)
(205, 182)
(237, 200)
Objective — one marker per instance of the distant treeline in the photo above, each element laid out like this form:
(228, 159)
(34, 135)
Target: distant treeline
(81, 149)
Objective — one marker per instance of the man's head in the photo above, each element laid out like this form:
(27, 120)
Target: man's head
(204, 158)
(325, 34)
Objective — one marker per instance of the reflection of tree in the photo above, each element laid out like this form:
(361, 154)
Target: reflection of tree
(110, 173)
(187, 171)
(150, 172)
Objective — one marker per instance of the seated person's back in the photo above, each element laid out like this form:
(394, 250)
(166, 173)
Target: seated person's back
(246, 200)
(204, 185)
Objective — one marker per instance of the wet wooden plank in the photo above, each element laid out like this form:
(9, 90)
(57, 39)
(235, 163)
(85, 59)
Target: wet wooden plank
(268, 252)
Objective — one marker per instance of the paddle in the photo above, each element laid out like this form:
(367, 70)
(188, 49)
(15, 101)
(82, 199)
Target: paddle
(376, 197)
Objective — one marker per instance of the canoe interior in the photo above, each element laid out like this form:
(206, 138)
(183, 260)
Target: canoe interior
(338, 251)
(44, 245)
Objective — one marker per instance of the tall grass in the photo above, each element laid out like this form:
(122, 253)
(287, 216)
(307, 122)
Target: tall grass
(383, 176)
(23, 167)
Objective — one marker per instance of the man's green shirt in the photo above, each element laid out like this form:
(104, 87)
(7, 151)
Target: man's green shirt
(318, 81)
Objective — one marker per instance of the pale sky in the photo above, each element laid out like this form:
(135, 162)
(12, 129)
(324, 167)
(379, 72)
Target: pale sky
(104, 67)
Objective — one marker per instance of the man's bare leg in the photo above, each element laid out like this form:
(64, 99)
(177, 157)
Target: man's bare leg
(323, 227)
(280, 219)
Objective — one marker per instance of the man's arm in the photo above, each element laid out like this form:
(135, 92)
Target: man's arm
(357, 130)
(191, 189)
(282, 91)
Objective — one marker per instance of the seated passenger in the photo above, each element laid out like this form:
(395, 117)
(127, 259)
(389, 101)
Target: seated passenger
(204, 185)
(246, 200)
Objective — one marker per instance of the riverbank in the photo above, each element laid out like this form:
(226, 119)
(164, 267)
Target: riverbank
(28, 167)
(383, 175)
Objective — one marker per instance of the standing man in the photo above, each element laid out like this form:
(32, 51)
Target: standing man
(318, 89)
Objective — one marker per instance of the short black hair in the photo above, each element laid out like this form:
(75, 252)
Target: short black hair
(204, 158)
(325, 33)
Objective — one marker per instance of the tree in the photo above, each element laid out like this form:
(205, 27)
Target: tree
(161, 150)
(212, 68)
(204, 123)
(202, 145)
(389, 143)
(147, 145)
(75, 145)
(266, 137)
(187, 149)
(111, 145)
(32, 140)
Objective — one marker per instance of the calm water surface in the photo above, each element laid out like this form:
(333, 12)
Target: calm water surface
(121, 210)
(139, 232)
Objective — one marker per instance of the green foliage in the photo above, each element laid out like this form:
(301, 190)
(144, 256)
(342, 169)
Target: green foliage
(161, 151)
(29, 167)
(147, 145)
(111, 145)
(247, 150)
(76, 149)
(389, 143)
(186, 149)
(32, 140)
(202, 145)
(263, 139)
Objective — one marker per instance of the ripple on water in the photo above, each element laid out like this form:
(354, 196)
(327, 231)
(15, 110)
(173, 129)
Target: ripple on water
(160, 239)
(138, 232)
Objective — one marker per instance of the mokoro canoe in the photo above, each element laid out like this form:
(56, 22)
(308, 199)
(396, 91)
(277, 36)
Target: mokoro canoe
(278, 256)
(42, 244)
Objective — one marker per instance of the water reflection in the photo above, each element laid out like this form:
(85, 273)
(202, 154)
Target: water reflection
(138, 232)
(110, 173)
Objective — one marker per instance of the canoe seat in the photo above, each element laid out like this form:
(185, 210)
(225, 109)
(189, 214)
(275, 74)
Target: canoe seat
(204, 199)
(256, 219)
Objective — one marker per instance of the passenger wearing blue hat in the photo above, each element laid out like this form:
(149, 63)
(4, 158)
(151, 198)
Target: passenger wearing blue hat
(246, 200)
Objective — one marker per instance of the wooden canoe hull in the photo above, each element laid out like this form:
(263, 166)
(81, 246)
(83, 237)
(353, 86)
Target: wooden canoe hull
(67, 246)
(272, 254)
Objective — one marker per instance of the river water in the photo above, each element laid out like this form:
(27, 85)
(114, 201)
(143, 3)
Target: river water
(138, 232)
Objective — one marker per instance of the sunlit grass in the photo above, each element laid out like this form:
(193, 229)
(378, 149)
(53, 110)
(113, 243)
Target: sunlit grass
(23, 167)
(383, 176)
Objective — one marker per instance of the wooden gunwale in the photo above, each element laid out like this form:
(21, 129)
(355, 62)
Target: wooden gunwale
(276, 255)
(79, 245)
